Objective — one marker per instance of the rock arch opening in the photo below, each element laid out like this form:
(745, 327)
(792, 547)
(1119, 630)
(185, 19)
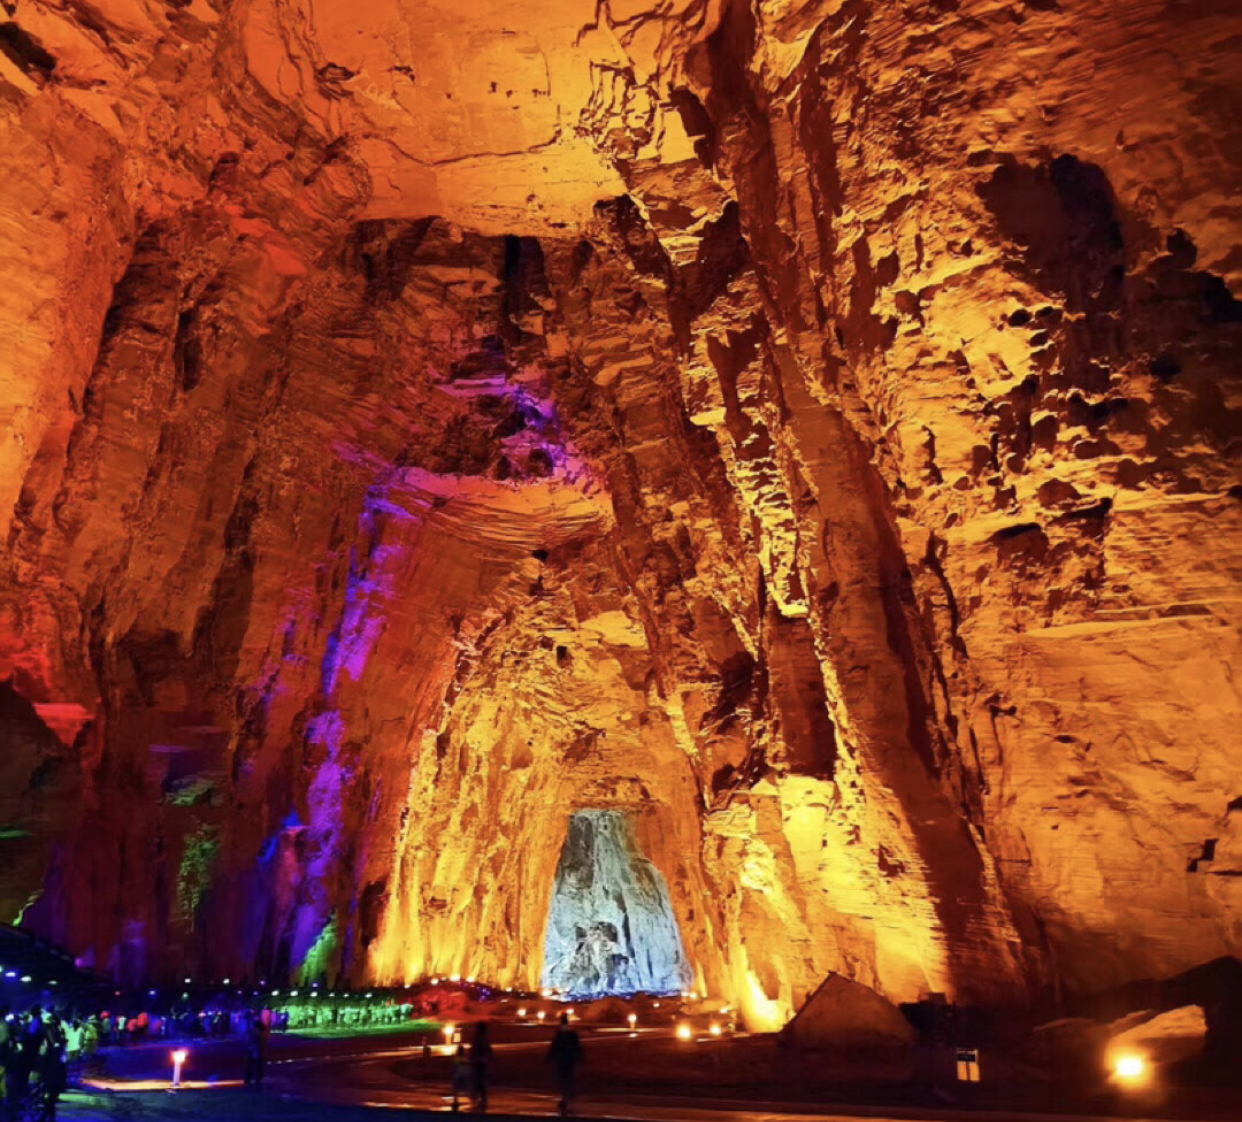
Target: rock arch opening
(611, 927)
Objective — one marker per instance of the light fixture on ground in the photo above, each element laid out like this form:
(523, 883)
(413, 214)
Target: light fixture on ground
(1130, 1069)
(178, 1059)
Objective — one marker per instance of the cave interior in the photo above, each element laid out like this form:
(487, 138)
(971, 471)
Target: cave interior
(623, 497)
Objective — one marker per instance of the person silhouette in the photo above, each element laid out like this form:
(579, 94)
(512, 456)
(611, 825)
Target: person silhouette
(565, 1054)
(480, 1056)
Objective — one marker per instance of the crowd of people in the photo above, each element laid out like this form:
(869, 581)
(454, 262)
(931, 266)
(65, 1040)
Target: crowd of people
(189, 1018)
(34, 1058)
(38, 1045)
(471, 1069)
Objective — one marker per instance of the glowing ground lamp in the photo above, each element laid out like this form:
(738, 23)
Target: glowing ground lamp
(178, 1060)
(684, 1031)
(633, 1019)
(968, 1065)
(1130, 1069)
(715, 1029)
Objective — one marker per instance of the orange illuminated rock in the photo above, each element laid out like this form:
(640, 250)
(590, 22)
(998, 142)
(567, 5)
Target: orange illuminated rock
(810, 430)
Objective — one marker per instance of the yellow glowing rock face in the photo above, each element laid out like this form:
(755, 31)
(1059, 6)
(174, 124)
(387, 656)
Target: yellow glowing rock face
(421, 422)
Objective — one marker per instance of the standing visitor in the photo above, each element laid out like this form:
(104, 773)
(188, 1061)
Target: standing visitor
(480, 1054)
(7, 1030)
(92, 1034)
(73, 1039)
(256, 1049)
(564, 1054)
(24, 1058)
(53, 1072)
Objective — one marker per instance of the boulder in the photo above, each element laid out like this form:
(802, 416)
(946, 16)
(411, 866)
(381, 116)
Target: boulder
(606, 1011)
(847, 1014)
(1161, 1038)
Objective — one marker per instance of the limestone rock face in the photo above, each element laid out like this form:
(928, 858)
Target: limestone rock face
(611, 927)
(809, 429)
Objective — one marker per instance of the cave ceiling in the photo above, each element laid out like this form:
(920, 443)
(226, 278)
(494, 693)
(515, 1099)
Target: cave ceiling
(809, 430)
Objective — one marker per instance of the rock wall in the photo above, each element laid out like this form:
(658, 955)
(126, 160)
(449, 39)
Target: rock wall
(811, 428)
(611, 927)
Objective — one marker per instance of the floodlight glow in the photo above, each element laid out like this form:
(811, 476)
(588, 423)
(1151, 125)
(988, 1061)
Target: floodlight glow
(522, 1012)
(684, 1031)
(715, 1029)
(1129, 1067)
(178, 1059)
(633, 1019)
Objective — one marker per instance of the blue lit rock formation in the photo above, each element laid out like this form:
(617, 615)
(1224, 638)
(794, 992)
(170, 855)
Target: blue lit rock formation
(611, 928)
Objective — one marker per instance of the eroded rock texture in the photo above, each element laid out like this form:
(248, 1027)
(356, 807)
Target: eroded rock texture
(808, 427)
(611, 927)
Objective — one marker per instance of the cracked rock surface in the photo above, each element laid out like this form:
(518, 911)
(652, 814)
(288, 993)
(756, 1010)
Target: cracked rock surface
(810, 428)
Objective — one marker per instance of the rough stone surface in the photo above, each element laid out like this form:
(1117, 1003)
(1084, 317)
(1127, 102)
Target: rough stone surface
(611, 928)
(809, 426)
(843, 1014)
(1169, 1037)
